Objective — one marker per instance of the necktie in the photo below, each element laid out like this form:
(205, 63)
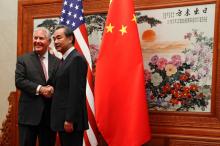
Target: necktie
(44, 67)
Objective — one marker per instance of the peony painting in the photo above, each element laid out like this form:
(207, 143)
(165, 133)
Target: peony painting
(178, 58)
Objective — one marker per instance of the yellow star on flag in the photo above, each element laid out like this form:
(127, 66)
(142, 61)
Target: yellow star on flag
(123, 29)
(134, 18)
(109, 27)
(110, 2)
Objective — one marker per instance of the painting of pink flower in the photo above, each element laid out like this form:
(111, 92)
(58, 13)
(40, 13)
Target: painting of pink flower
(154, 59)
(161, 63)
(147, 75)
(176, 60)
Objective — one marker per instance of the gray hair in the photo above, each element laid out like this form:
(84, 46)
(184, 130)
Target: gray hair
(47, 32)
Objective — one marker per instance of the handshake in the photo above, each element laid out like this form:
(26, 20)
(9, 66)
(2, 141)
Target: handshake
(46, 91)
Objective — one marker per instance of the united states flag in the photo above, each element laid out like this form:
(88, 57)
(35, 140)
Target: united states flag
(72, 16)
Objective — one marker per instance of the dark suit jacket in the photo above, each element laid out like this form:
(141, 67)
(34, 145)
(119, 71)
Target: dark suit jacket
(28, 75)
(69, 101)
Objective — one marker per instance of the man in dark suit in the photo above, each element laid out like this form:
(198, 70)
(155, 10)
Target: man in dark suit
(68, 111)
(34, 77)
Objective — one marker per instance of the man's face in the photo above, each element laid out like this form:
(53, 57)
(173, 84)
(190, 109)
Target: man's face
(61, 42)
(40, 42)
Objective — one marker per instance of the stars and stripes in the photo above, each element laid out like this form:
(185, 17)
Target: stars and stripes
(73, 17)
(72, 14)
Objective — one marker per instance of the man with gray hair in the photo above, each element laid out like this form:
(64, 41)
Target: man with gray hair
(34, 77)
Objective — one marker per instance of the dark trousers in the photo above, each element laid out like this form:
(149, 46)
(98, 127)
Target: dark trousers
(74, 138)
(28, 135)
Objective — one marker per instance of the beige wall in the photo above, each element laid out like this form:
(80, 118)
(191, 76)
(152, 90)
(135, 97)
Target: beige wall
(8, 49)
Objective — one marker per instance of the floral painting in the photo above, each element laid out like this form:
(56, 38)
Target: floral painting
(175, 82)
(178, 58)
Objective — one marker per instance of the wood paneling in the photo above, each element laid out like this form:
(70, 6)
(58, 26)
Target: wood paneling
(192, 143)
(9, 126)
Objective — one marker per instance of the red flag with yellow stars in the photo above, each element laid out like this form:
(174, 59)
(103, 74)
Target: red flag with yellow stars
(120, 101)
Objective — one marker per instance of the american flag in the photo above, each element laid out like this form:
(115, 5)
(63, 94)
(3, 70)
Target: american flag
(72, 16)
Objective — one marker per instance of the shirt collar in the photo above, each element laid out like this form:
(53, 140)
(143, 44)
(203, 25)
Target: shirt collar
(44, 56)
(68, 52)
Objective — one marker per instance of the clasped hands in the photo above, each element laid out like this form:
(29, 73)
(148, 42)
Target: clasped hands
(46, 91)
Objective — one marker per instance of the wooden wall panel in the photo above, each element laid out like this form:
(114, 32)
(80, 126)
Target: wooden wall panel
(192, 143)
(168, 128)
(9, 126)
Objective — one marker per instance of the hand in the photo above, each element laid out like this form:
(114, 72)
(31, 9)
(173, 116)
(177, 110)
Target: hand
(68, 127)
(46, 91)
(51, 89)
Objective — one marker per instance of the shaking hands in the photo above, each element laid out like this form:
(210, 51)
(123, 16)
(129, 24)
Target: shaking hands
(46, 91)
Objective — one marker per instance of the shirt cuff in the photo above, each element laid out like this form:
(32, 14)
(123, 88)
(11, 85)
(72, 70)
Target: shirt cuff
(38, 89)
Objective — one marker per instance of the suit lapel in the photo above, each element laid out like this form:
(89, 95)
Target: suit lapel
(66, 62)
(69, 58)
(50, 64)
(36, 61)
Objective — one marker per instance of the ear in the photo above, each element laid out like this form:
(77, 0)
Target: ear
(70, 39)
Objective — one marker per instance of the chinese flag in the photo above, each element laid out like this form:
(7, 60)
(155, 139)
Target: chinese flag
(120, 101)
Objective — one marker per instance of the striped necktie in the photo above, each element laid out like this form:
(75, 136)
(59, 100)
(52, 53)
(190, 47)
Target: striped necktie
(44, 67)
